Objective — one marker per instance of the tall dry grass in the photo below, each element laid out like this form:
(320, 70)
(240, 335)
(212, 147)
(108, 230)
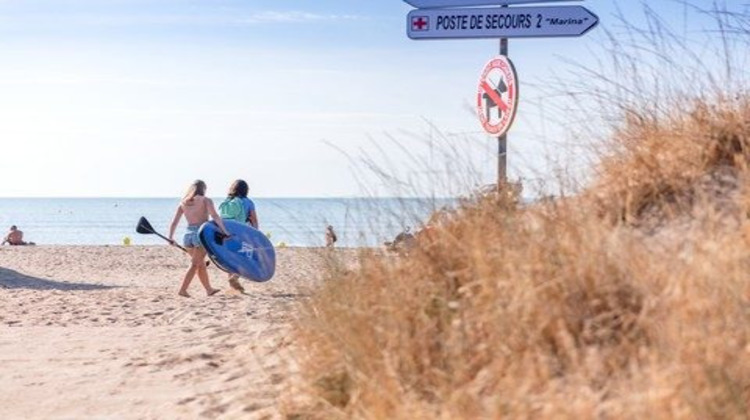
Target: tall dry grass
(627, 300)
(659, 168)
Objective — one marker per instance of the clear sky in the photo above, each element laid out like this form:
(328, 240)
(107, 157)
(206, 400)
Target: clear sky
(137, 98)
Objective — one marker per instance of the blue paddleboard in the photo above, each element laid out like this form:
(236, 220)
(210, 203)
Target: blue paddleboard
(248, 252)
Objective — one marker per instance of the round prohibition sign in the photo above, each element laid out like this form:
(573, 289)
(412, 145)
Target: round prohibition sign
(497, 96)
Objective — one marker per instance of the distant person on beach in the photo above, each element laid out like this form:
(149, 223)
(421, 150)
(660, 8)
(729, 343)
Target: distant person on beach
(241, 209)
(15, 237)
(331, 237)
(196, 208)
(404, 241)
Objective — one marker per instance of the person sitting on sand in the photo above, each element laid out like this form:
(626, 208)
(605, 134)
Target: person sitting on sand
(330, 237)
(243, 211)
(196, 208)
(15, 237)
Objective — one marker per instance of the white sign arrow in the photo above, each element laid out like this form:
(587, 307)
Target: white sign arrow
(516, 22)
(436, 4)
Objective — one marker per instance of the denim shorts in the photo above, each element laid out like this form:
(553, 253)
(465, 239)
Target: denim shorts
(190, 240)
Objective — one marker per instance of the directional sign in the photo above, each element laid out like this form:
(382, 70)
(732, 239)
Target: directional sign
(437, 4)
(497, 96)
(506, 22)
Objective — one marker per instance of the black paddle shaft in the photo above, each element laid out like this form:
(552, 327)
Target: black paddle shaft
(145, 228)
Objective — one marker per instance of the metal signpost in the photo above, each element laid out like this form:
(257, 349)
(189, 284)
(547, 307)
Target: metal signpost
(502, 141)
(462, 19)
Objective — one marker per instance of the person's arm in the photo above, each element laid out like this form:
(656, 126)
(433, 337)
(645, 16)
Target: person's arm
(215, 216)
(252, 218)
(175, 222)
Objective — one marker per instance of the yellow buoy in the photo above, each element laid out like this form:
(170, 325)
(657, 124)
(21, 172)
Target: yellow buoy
(281, 245)
(126, 241)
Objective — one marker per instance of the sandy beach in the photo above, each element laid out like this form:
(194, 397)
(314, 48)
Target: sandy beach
(99, 332)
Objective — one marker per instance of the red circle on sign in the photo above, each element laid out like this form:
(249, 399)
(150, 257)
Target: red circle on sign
(497, 96)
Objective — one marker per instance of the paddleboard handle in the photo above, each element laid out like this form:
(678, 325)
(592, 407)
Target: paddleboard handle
(220, 237)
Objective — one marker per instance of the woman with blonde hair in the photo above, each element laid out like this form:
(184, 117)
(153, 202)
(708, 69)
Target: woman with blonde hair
(196, 208)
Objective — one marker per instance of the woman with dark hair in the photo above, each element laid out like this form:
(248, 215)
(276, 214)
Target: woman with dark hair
(196, 208)
(239, 190)
(239, 208)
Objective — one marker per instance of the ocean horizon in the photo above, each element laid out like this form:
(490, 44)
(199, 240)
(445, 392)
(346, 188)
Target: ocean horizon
(290, 221)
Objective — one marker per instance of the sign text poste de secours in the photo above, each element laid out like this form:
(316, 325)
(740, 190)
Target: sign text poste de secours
(517, 22)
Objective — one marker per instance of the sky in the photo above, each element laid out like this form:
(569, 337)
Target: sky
(324, 98)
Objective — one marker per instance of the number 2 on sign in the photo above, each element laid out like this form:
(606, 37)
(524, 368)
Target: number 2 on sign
(539, 21)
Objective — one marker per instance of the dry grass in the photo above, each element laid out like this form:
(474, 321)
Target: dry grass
(628, 300)
(564, 309)
(660, 167)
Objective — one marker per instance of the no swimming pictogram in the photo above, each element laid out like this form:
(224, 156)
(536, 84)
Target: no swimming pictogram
(497, 96)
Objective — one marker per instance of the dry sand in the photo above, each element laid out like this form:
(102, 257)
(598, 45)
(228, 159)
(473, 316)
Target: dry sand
(99, 332)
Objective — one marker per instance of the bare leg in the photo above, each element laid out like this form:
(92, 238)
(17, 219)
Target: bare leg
(198, 262)
(189, 274)
(234, 283)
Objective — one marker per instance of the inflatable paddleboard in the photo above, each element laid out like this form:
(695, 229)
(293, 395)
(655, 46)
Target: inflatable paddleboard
(248, 252)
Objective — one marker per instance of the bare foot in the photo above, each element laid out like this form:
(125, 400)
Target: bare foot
(236, 284)
(183, 294)
(213, 292)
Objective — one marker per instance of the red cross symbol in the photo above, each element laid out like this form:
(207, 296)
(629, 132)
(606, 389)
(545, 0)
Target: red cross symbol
(420, 23)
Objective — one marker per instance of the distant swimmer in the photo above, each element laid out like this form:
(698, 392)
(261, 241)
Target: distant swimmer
(15, 237)
(196, 208)
(331, 237)
(238, 207)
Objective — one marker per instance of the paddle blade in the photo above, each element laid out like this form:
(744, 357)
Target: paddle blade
(144, 226)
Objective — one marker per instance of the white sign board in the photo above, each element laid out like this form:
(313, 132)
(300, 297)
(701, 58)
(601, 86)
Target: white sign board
(436, 4)
(505, 22)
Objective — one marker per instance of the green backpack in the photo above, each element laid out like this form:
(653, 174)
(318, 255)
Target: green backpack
(232, 209)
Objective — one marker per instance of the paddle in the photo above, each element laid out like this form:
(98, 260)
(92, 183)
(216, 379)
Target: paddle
(145, 228)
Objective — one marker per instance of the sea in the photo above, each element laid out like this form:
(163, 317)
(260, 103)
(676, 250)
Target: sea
(301, 222)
